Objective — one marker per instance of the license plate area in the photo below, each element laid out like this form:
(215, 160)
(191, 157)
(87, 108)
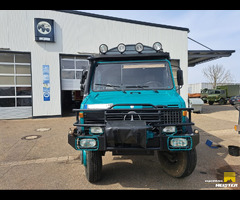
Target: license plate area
(126, 133)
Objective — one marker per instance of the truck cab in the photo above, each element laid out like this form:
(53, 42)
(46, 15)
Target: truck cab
(131, 107)
(204, 94)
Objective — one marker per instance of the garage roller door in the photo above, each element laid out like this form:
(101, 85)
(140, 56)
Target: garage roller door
(15, 85)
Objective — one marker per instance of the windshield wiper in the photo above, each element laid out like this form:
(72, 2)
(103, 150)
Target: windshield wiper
(136, 86)
(140, 86)
(116, 87)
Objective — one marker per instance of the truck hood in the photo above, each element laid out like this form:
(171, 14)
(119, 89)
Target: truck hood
(168, 98)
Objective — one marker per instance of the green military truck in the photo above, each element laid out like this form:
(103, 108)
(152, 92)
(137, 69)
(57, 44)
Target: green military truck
(218, 96)
(221, 95)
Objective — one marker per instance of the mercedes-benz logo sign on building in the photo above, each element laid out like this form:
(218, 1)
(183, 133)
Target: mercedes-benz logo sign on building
(44, 30)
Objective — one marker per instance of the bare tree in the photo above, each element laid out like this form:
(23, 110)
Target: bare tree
(217, 74)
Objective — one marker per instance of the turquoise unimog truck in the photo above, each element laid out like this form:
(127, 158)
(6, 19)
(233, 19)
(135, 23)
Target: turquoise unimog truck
(131, 107)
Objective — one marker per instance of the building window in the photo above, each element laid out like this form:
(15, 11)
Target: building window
(15, 80)
(72, 67)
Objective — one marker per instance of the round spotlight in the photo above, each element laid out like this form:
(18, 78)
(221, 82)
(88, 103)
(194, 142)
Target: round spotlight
(121, 48)
(103, 48)
(139, 47)
(157, 46)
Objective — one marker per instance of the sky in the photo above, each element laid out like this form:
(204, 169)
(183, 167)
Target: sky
(216, 29)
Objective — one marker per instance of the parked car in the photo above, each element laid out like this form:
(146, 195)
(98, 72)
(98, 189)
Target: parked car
(234, 99)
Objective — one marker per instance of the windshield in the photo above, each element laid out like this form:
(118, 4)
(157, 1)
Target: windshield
(210, 91)
(126, 76)
(216, 92)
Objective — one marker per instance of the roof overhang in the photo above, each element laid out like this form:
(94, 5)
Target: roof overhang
(123, 20)
(200, 56)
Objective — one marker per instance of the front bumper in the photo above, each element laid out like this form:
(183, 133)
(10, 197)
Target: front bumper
(160, 143)
(136, 131)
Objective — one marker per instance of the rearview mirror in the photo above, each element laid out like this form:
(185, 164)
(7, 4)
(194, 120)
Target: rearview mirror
(180, 77)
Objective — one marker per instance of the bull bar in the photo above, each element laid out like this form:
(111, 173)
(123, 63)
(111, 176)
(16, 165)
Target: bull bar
(152, 117)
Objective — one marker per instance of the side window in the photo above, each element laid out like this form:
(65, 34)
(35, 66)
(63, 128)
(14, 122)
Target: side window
(175, 66)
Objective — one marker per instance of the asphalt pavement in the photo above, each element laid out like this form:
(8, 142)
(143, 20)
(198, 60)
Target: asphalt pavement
(34, 154)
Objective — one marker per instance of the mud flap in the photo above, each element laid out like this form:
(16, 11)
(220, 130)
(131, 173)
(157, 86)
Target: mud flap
(126, 132)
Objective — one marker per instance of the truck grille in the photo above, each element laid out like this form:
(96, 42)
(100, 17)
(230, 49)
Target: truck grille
(171, 117)
(160, 116)
(149, 115)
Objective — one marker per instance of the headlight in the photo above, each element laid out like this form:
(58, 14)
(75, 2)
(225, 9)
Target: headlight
(98, 106)
(169, 129)
(88, 143)
(179, 142)
(103, 48)
(96, 130)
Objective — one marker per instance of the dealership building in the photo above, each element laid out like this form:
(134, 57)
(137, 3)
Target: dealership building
(43, 54)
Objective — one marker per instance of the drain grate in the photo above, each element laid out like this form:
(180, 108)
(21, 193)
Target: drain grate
(31, 137)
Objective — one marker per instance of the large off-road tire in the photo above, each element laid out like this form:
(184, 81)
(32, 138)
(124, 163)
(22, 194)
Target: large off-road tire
(93, 169)
(210, 102)
(178, 164)
(221, 102)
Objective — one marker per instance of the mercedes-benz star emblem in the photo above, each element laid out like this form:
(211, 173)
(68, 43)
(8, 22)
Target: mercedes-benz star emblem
(130, 116)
